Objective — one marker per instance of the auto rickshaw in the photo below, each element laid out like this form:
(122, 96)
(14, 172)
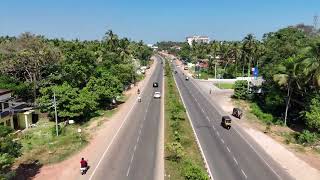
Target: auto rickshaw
(226, 122)
(237, 113)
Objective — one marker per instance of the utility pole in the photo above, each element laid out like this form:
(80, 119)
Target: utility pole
(55, 112)
(215, 70)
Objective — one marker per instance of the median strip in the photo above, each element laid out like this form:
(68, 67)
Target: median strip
(182, 157)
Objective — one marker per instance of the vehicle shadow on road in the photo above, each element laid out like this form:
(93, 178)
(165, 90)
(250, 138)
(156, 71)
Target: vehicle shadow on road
(27, 170)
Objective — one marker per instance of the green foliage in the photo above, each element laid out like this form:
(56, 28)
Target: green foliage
(176, 151)
(193, 172)
(54, 130)
(240, 89)
(306, 137)
(9, 150)
(70, 101)
(5, 130)
(312, 116)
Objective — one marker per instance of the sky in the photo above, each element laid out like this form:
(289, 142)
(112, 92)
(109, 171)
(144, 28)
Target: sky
(153, 20)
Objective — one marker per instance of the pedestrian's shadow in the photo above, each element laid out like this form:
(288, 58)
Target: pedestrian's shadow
(26, 171)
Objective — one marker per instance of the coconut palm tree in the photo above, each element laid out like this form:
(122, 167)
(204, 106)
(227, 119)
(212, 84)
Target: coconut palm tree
(310, 65)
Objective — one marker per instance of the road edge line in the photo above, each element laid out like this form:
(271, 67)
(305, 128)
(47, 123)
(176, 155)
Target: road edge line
(238, 132)
(114, 137)
(195, 133)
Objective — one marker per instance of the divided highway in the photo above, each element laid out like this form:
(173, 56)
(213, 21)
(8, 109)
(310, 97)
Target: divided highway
(134, 153)
(230, 154)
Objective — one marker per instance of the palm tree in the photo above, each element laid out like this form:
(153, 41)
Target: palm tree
(310, 65)
(249, 50)
(288, 78)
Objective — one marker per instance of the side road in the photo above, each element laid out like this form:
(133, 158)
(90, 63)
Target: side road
(101, 140)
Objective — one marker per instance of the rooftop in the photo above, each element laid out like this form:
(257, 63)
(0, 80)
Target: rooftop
(4, 91)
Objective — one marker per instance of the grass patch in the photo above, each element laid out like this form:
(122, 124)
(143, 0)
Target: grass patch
(224, 85)
(41, 144)
(182, 156)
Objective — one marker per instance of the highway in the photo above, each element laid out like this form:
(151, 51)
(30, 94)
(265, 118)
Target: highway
(134, 153)
(229, 154)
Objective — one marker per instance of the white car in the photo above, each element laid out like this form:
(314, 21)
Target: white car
(157, 95)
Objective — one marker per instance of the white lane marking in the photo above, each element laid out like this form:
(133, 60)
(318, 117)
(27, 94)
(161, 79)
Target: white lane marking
(135, 147)
(123, 122)
(228, 149)
(128, 170)
(194, 131)
(218, 133)
(113, 138)
(258, 154)
(130, 163)
(244, 174)
(138, 139)
(220, 111)
(222, 140)
(213, 127)
(235, 160)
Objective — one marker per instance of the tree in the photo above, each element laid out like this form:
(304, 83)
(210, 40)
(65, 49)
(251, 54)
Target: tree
(71, 102)
(79, 65)
(9, 150)
(287, 78)
(27, 57)
(312, 114)
(310, 66)
(106, 87)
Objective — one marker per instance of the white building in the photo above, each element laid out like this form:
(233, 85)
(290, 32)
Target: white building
(197, 39)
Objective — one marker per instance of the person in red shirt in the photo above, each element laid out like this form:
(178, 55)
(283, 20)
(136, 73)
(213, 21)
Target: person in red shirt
(83, 163)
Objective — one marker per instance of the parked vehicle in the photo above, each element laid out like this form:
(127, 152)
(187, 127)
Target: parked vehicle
(186, 68)
(226, 122)
(236, 112)
(187, 78)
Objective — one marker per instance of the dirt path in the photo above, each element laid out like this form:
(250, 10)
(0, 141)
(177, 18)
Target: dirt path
(101, 138)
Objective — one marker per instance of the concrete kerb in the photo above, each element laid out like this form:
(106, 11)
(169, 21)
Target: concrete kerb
(194, 132)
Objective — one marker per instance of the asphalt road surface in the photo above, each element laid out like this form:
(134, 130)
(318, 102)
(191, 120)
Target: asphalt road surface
(134, 152)
(229, 154)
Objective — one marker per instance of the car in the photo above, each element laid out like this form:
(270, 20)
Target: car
(187, 78)
(157, 95)
(178, 65)
(186, 68)
(155, 84)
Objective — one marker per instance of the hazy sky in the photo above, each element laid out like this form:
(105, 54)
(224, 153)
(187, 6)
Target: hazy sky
(153, 20)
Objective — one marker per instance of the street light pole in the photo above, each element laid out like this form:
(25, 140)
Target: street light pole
(55, 112)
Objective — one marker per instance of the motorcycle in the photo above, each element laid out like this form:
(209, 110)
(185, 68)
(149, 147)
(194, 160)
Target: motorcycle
(83, 170)
(139, 99)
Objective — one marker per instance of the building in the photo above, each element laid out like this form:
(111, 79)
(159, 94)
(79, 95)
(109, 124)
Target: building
(197, 39)
(17, 115)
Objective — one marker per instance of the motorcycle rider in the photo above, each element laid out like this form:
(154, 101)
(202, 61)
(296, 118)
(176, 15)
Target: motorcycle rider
(83, 164)
(138, 91)
(139, 98)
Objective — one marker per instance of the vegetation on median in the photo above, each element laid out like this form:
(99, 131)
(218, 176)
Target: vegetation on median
(182, 156)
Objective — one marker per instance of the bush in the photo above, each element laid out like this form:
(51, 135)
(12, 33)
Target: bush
(176, 151)
(265, 117)
(306, 138)
(240, 89)
(54, 130)
(312, 116)
(193, 172)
